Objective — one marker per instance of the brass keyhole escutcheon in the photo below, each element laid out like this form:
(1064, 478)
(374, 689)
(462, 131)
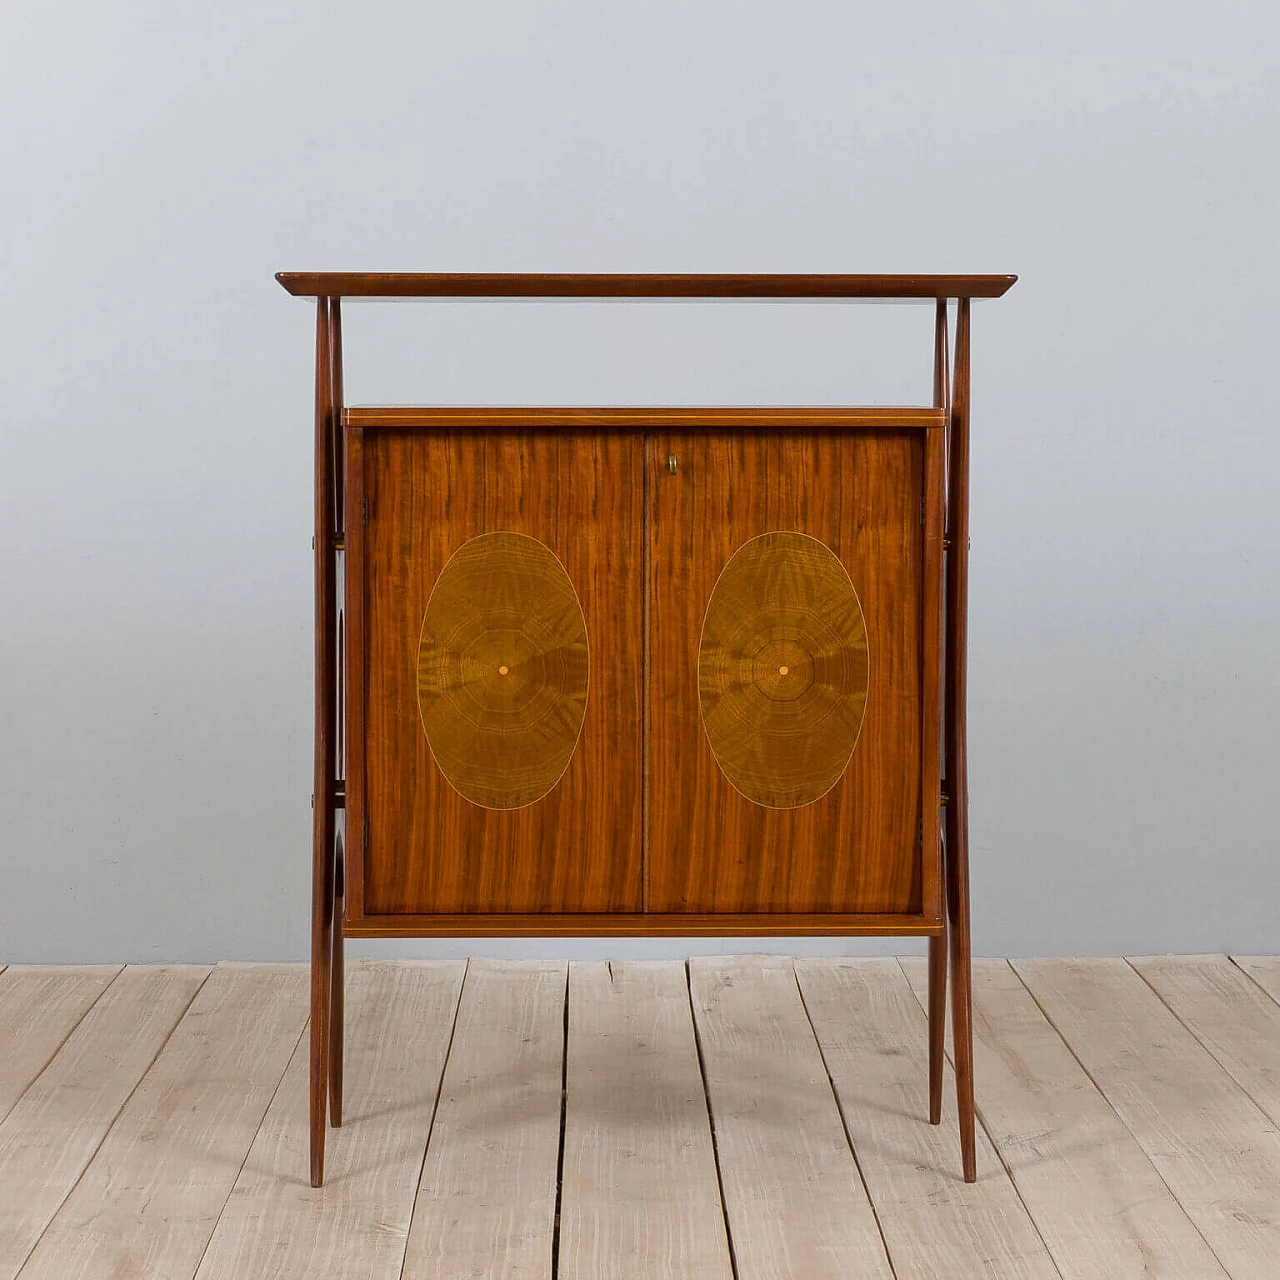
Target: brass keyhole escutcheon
(672, 464)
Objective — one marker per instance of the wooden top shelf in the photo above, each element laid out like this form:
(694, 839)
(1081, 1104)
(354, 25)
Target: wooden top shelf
(357, 284)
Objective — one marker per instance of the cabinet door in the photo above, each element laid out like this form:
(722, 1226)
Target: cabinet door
(503, 640)
(786, 697)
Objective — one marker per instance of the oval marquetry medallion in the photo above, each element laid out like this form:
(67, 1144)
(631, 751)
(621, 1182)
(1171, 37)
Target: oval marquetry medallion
(502, 670)
(783, 669)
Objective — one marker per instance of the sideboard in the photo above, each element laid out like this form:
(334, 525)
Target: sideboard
(642, 671)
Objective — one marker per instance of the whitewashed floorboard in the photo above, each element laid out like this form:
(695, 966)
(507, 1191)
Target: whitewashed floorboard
(640, 1197)
(1228, 1013)
(1099, 1203)
(874, 1038)
(487, 1197)
(1189, 1077)
(147, 1204)
(1215, 1149)
(398, 1021)
(794, 1199)
(1264, 970)
(51, 1134)
(40, 1006)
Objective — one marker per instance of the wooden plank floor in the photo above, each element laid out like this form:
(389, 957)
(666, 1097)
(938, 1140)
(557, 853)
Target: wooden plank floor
(730, 1119)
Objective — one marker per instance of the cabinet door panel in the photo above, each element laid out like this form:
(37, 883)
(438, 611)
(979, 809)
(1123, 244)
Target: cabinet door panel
(504, 644)
(792, 672)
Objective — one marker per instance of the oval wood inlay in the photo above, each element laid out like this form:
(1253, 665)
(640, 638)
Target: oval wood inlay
(783, 669)
(503, 670)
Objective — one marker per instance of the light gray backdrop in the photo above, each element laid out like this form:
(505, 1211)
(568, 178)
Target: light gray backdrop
(161, 160)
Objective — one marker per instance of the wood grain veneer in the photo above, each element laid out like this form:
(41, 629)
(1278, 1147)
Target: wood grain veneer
(588, 924)
(710, 848)
(639, 418)
(957, 810)
(453, 284)
(326, 680)
(428, 849)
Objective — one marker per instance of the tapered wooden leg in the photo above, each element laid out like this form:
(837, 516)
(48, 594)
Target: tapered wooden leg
(957, 769)
(321, 997)
(322, 799)
(961, 983)
(336, 994)
(937, 1023)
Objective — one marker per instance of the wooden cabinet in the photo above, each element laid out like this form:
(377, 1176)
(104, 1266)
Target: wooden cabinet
(635, 672)
(641, 671)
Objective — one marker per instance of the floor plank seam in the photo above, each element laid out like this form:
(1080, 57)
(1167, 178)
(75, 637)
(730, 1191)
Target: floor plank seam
(564, 1112)
(435, 1108)
(1253, 980)
(711, 1122)
(1195, 1226)
(844, 1122)
(990, 1135)
(88, 1164)
(58, 1049)
(249, 1149)
(1191, 1031)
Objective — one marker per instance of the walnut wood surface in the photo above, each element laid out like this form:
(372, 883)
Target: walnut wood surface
(957, 814)
(584, 924)
(931, 755)
(855, 849)
(452, 284)
(326, 680)
(621, 417)
(429, 849)
(337, 999)
(355, 676)
(337, 954)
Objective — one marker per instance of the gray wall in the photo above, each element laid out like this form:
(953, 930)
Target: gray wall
(162, 160)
